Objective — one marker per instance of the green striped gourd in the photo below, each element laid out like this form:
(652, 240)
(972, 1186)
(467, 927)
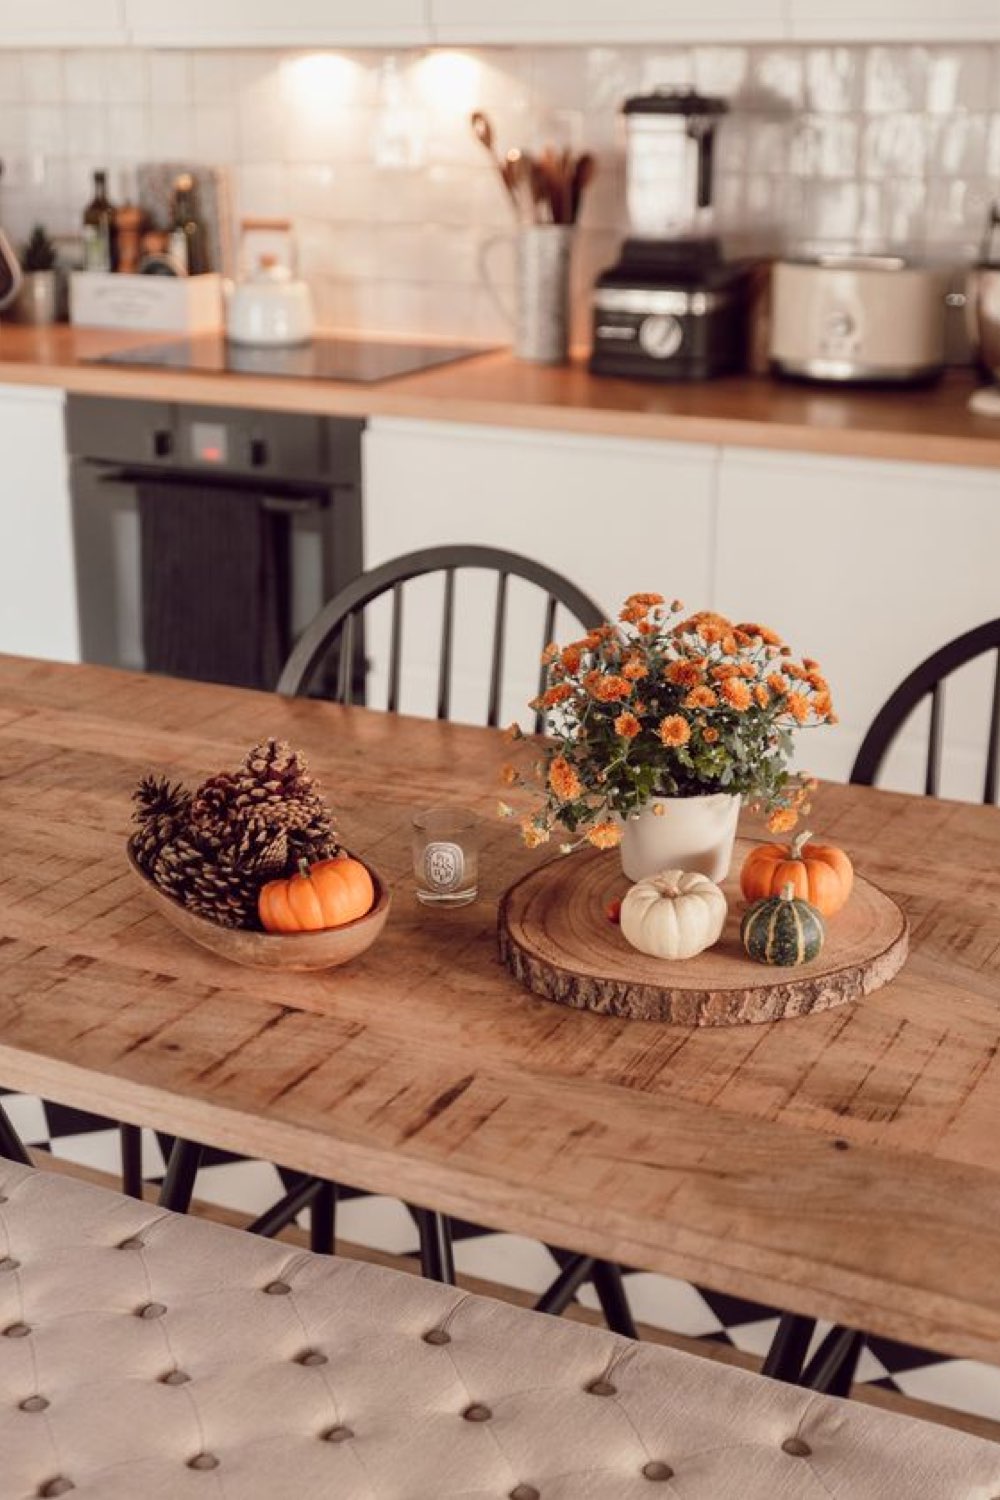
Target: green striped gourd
(782, 930)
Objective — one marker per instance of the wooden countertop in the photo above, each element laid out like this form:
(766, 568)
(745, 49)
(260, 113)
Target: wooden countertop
(924, 426)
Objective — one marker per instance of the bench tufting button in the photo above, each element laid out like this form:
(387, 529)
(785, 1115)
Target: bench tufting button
(16, 1331)
(277, 1289)
(524, 1492)
(150, 1310)
(58, 1486)
(477, 1412)
(8, 1263)
(132, 1243)
(203, 1461)
(657, 1470)
(796, 1447)
(34, 1403)
(338, 1434)
(312, 1357)
(437, 1336)
(4, 1198)
(174, 1377)
(602, 1387)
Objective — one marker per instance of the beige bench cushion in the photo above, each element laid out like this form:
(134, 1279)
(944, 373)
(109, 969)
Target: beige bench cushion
(145, 1356)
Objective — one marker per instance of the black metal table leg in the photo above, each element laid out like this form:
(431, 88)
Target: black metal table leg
(130, 1138)
(182, 1169)
(789, 1347)
(11, 1145)
(834, 1365)
(287, 1208)
(323, 1220)
(437, 1261)
(577, 1270)
(610, 1289)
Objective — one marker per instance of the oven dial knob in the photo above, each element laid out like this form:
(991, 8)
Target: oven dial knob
(661, 335)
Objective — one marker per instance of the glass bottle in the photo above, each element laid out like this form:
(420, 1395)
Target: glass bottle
(98, 227)
(188, 243)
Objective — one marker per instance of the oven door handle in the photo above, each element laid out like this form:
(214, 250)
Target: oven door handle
(280, 502)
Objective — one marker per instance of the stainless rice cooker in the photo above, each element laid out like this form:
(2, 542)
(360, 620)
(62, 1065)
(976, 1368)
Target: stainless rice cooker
(864, 318)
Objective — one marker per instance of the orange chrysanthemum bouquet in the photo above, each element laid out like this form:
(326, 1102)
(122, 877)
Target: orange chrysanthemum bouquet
(659, 707)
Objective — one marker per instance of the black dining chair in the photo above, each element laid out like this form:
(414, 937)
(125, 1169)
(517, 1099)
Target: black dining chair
(329, 661)
(833, 1366)
(927, 681)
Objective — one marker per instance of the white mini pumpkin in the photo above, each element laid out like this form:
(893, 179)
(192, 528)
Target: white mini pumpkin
(674, 914)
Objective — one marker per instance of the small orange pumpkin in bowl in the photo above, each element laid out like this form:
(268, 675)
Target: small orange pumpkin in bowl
(821, 874)
(327, 894)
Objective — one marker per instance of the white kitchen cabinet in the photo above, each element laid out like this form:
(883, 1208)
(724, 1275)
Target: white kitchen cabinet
(62, 23)
(893, 20)
(38, 615)
(868, 567)
(261, 23)
(479, 21)
(610, 514)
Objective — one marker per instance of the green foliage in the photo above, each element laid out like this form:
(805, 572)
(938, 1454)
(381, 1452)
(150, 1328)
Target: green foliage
(39, 252)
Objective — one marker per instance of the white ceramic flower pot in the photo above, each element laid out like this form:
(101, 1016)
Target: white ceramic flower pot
(691, 833)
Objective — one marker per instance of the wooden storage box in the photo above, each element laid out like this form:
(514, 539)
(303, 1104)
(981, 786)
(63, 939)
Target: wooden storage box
(168, 304)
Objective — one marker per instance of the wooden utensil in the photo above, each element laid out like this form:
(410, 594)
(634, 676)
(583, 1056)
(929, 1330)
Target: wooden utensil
(583, 176)
(484, 133)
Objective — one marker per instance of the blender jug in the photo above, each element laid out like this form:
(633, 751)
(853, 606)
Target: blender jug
(670, 136)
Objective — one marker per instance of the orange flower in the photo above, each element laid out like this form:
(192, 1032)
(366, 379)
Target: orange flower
(675, 730)
(676, 605)
(809, 664)
(632, 614)
(596, 637)
(606, 689)
(532, 834)
(571, 656)
(556, 694)
(822, 704)
(818, 681)
(710, 736)
(550, 653)
(683, 674)
(782, 820)
(634, 669)
(648, 601)
(747, 669)
(627, 726)
(729, 644)
(700, 697)
(794, 670)
(508, 775)
(798, 707)
(563, 780)
(778, 684)
(604, 835)
(736, 693)
(646, 627)
(762, 695)
(725, 671)
(769, 637)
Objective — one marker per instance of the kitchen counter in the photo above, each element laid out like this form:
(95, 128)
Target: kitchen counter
(494, 389)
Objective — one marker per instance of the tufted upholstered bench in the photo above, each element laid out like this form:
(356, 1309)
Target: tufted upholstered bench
(145, 1356)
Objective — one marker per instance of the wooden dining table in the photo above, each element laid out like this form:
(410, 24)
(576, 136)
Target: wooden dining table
(844, 1165)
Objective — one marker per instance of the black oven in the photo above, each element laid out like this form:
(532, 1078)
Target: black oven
(207, 537)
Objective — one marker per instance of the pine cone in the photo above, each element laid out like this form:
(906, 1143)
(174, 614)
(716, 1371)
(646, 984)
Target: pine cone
(212, 887)
(160, 810)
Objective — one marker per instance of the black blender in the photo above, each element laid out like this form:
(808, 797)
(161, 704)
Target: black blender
(671, 308)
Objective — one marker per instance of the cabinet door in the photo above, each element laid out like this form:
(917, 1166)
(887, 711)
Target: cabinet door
(261, 23)
(457, 21)
(894, 20)
(868, 567)
(613, 516)
(62, 23)
(38, 615)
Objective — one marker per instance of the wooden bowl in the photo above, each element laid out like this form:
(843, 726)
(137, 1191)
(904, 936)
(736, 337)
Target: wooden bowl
(267, 950)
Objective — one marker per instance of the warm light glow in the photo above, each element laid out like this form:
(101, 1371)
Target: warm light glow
(320, 82)
(449, 82)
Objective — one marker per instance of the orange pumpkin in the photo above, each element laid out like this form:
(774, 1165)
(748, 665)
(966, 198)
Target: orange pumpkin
(820, 874)
(326, 894)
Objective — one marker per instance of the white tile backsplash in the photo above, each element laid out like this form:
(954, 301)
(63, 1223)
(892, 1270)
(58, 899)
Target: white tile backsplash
(395, 203)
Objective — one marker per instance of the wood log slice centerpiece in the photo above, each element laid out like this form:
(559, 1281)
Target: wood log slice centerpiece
(556, 938)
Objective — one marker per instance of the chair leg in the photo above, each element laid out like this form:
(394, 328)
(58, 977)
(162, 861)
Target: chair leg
(787, 1355)
(130, 1137)
(323, 1220)
(834, 1365)
(556, 1299)
(437, 1261)
(182, 1169)
(11, 1145)
(610, 1289)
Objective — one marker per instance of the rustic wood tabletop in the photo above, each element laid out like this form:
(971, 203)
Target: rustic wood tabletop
(845, 1164)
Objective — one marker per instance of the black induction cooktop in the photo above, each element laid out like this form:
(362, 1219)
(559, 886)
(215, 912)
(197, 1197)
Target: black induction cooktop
(323, 358)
